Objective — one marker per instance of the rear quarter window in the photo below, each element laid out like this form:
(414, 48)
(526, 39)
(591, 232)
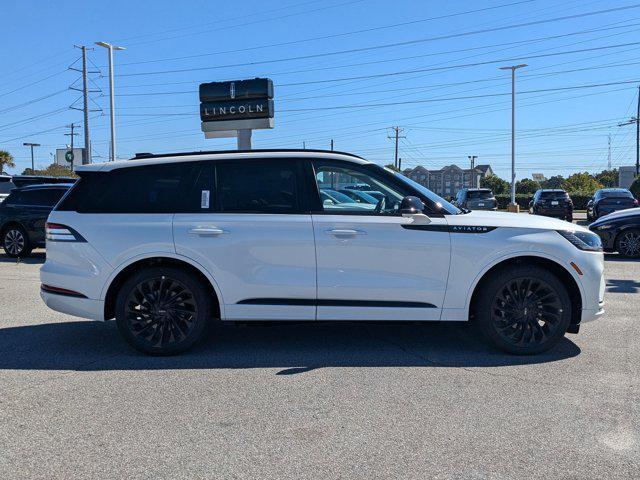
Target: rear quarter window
(168, 188)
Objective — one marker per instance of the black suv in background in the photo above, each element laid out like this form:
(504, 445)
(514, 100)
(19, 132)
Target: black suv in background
(552, 203)
(23, 215)
(476, 199)
(609, 200)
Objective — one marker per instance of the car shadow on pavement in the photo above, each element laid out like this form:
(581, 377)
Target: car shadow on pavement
(622, 286)
(34, 259)
(289, 348)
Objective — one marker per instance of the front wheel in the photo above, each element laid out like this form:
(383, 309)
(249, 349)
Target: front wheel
(162, 310)
(16, 242)
(523, 310)
(628, 243)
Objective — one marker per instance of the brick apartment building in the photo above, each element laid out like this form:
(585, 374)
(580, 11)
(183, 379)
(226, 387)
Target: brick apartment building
(448, 180)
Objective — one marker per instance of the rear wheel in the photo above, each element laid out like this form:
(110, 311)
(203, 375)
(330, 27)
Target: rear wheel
(16, 242)
(628, 243)
(162, 310)
(523, 310)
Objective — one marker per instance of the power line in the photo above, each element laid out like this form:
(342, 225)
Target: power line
(327, 37)
(395, 44)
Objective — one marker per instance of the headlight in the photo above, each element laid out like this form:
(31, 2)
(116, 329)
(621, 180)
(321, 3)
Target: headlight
(583, 240)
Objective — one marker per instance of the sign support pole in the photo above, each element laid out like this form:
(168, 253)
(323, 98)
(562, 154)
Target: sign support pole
(244, 139)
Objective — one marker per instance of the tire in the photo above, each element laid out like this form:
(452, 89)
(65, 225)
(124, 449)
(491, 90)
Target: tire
(537, 326)
(162, 310)
(628, 243)
(16, 242)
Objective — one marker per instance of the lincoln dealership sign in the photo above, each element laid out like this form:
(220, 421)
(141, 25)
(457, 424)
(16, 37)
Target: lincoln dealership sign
(226, 107)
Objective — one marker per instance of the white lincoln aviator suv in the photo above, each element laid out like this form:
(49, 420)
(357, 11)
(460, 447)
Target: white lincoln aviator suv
(167, 244)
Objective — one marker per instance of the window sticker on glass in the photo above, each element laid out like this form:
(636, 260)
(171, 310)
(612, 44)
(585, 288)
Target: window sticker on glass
(204, 199)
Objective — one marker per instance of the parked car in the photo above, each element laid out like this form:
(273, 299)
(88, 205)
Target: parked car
(609, 200)
(23, 215)
(552, 203)
(476, 199)
(359, 196)
(169, 243)
(620, 232)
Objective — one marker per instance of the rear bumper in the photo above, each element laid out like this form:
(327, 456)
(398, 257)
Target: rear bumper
(78, 307)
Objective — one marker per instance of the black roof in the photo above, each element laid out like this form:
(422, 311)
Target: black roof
(145, 155)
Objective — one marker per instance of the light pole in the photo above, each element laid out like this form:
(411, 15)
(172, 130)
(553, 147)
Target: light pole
(111, 48)
(513, 132)
(27, 144)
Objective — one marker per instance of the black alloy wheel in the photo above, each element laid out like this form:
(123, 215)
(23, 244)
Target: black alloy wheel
(162, 311)
(524, 310)
(628, 243)
(16, 242)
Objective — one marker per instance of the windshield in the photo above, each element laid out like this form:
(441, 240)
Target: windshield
(479, 194)
(439, 201)
(616, 194)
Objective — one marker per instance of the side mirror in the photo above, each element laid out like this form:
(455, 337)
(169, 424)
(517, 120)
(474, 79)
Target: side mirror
(328, 202)
(412, 207)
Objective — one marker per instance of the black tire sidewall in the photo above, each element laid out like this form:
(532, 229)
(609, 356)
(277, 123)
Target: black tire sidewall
(26, 250)
(489, 291)
(619, 237)
(201, 296)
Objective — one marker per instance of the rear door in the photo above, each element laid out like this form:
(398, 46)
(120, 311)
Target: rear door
(252, 231)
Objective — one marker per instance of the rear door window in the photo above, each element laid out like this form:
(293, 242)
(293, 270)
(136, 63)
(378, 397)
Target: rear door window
(265, 186)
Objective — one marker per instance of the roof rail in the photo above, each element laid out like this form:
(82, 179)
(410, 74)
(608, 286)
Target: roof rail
(145, 155)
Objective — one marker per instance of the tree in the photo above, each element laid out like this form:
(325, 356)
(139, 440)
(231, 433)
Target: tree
(6, 160)
(635, 188)
(391, 166)
(582, 182)
(527, 186)
(53, 170)
(608, 178)
(555, 182)
(495, 183)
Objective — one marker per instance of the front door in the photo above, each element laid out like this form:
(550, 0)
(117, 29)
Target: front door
(253, 233)
(373, 264)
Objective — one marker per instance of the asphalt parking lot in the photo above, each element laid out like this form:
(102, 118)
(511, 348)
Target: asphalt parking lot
(316, 401)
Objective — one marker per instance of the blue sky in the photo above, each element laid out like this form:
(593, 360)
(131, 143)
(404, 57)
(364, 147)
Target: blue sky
(412, 78)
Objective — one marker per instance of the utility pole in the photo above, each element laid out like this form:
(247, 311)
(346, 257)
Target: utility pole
(86, 158)
(472, 159)
(332, 144)
(304, 145)
(71, 134)
(609, 152)
(400, 164)
(396, 135)
(636, 120)
(513, 68)
(27, 144)
(111, 48)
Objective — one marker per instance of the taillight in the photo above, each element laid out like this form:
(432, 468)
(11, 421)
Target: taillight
(61, 233)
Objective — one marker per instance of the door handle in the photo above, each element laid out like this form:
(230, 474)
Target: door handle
(345, 232)
(206, 231)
